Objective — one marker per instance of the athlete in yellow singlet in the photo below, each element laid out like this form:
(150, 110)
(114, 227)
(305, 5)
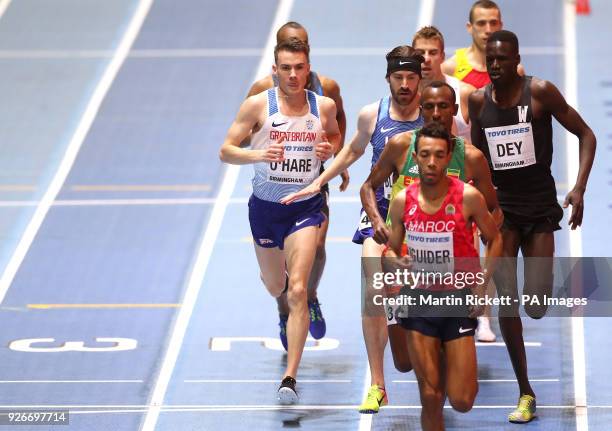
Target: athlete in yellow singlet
(468, 64)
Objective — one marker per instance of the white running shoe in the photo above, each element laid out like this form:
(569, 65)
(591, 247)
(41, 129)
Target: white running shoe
(484, 332)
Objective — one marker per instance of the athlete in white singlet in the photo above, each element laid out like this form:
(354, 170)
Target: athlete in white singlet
(293, 130)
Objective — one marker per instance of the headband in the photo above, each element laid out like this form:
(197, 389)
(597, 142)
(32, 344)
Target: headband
(411, 64)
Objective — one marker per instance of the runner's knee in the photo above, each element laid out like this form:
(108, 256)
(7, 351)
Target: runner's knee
(431, 397)
(274, 285)
(464, 402)
(402, 364)
(536, 311)
(297, 291)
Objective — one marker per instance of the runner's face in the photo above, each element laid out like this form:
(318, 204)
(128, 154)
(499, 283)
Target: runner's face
(485, 22)
(433, 158)
(502, 61)
(292, 69)
(437, 105)
(403, 85)
(431, 50)
(289, 32)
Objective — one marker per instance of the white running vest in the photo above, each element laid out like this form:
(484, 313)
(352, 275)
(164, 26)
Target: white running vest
(463, 129)
(273, 181)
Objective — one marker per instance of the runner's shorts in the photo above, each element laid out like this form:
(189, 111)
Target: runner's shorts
(364, 229)
(272, 222)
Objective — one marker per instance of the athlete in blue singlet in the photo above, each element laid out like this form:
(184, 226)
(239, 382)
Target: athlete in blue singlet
(293, 130)
(385, 128)
(377, 122)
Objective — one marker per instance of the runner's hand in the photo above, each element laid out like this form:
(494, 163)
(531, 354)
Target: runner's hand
(575, 199)
(345, 179)
(498, 217)
(381, 232)
(275, 151)
(476, 311)
(309, 190)
(324, 149)
(393, 263)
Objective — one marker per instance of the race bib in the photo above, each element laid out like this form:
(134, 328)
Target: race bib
(388, 187)
(511, 146)
(299, 167)
(364, 221)
(390, 312)
(431, 251)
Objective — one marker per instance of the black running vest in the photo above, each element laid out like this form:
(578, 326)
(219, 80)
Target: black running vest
(519, 149)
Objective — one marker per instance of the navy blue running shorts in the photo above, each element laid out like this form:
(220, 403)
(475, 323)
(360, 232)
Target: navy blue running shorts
(272, 222)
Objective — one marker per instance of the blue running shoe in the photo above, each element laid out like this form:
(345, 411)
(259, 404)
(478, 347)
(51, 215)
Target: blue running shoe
(317, 322)
(282, 322)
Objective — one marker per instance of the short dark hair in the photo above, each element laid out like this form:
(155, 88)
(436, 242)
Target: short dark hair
(429, 32)
(434, 129)
(484, 4)
(440, 84)
(401, 51)
(505, 36)
(293, 44)
(291, 24)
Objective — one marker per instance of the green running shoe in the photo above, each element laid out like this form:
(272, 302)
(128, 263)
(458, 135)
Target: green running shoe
(525, 411)
(376, 398)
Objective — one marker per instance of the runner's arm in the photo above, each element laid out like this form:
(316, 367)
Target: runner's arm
(330, 124)
(332, 90)
(465, 90)
(554, 102)
(475, 208)
(481, 176)
(345, 158)
(352, 152)
(245, 120)
(383, 169)
(398, 230)
(258, 86)
(449, 66)
(475, 103)
(261, 85)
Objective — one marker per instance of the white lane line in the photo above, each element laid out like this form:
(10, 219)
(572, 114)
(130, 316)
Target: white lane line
(227, 52)
(571, 96)
(275, 381)
(575, 236)
(73, 147)
(131, 202)
(211, 407)
(68, 381)
(112, 202)
(491, 381)
(4, 4)
(426, 13)
(141, 187)
(156, 201)
(207, 243)
(365, 421)
(502, 344)
(276, 408)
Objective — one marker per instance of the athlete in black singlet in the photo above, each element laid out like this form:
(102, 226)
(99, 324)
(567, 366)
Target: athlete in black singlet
(511, 124)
